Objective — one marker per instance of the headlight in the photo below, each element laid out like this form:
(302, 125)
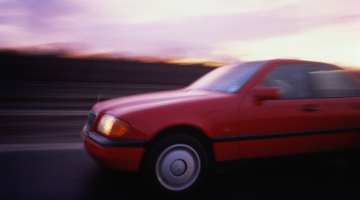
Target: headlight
(112, 126)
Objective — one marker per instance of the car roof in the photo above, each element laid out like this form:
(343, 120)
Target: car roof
(292, 61)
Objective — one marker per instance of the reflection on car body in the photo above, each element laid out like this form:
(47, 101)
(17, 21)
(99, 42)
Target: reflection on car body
(249, 110)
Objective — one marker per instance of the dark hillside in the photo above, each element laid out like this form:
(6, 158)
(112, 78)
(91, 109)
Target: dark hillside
(52, 68)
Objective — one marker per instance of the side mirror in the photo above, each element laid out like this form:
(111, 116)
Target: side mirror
(262, 93)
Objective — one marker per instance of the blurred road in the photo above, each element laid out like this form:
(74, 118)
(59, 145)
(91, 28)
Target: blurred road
(71, 174)
(41, 155)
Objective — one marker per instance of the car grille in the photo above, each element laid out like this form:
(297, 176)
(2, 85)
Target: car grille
(90, 121)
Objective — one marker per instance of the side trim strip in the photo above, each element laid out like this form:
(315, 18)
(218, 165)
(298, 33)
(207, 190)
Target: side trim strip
(243, 137)
(115, 143)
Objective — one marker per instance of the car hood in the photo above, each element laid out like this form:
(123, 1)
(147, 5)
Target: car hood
(143, 101)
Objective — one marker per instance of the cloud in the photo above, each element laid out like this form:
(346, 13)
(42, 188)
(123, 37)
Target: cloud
(201, 35)
(35, 14)
(181, 29)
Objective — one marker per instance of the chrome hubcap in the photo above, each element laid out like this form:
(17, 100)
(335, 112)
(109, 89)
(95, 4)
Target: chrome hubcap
(178, 167)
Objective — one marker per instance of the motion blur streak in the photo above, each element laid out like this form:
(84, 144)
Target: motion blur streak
(54, 111)
(40, 147)
(46, 98)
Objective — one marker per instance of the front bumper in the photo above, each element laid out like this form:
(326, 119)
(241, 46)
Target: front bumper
(114, 154)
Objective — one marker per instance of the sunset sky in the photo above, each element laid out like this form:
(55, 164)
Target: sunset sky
(189, 30)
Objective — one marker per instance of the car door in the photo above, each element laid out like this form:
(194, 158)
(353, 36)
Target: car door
(338, 94)
(297, 122)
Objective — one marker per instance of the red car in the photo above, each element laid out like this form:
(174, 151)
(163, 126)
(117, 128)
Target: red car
(248, 110)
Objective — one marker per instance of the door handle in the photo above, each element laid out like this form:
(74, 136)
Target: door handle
(310, 108)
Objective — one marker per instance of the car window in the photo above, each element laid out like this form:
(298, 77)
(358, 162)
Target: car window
(291, 79)
(228, 79)
(332, 84)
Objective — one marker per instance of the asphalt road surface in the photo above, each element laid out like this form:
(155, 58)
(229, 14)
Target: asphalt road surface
(71, 174)
(41, 157)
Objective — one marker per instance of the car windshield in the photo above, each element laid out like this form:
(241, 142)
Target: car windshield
(229, 78)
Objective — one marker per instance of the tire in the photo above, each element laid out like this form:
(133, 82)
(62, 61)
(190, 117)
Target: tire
(176, 164)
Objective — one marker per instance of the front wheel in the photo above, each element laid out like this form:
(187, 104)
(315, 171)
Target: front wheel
(176, 164)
